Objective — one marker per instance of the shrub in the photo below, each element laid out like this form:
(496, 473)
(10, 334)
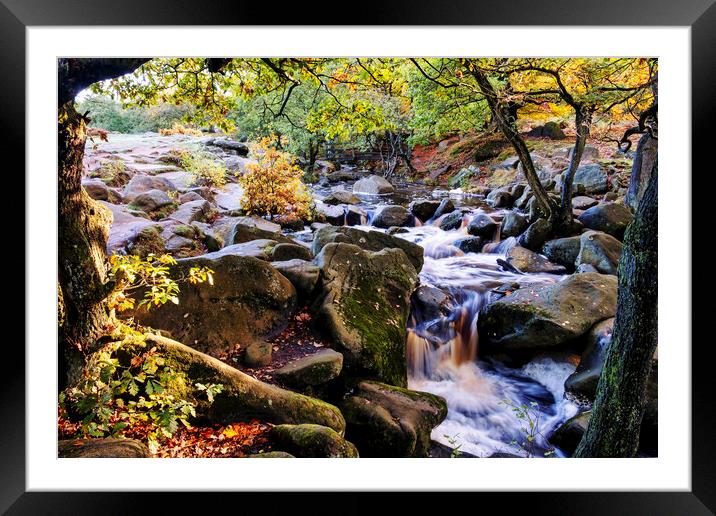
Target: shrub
(273, 185)
(112, 173)
(203, 168)
(177, 128)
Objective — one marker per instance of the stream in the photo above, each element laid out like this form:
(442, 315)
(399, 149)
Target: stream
(443, 351)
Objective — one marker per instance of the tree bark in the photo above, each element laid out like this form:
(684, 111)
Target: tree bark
(83, 224)
(582, 122)
(618, 410)
(504, 114)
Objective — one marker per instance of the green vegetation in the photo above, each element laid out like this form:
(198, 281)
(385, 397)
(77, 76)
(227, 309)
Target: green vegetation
(110, 115)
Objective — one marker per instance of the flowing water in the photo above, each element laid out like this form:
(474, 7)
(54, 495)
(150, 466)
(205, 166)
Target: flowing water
(443, 351)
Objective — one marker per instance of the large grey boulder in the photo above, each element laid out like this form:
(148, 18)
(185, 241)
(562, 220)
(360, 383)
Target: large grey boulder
(248, 301)
(393, 215)
(612, 218)
(482, 225)
(563, 251)
(368, 240)
(237, 230)
(312, 370)
(600, 250)
(334, 215)
(303, 276)
(548, 316)
(150, 200)
(364, 308)
(193, 211)
(374, 185)
(529, 261)
(536, 235)
(387, 421)
(453, 220)
(141, 183)
(424, 209)
(341, 197)
(96, 188)
(513, 224)
(284, 252)
(591, 177)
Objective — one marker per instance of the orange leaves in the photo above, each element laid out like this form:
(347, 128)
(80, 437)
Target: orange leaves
(233, 440)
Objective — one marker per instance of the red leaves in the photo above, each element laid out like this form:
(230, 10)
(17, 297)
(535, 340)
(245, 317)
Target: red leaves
(233, 440)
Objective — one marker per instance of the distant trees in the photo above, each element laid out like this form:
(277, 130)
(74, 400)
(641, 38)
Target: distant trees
(108, 114)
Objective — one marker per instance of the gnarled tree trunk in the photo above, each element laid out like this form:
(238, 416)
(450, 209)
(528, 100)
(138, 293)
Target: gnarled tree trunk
(582, 122)
(621, 393)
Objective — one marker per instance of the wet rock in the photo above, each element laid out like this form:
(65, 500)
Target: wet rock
(312, 370)
(249, 300)
(512, 225)
(600, 250)
(396, 230)
(499, 198)
(568, 435)
(334, 215)
(341, 197)
(446, 206)
(548, 316)
(529, 261)
(429, 303)
(452, 221)
(482, 225)
(424, 209)
(582, 202)
(469, 244)
(343, 175)
(364, 308)
(392, 215)
(96, 188)
(387, 421)
(312, 441)
(102, 448)
(611, 218)
(150, 201)
(584, 380)
(356, 216)
(536, 235)
(563, 251)
(375, 185)
(592, 177)
(367, 240)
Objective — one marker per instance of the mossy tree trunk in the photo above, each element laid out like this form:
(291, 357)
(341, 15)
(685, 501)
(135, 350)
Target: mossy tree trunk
(621, 393)
(83, 224)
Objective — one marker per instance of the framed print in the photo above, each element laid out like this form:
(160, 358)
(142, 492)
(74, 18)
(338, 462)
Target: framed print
(373, 248)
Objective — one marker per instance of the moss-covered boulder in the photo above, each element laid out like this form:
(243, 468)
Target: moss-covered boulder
(312, 370)
(567, 436)
(249, 300)
(243, 397)
(548, 316)
(529, 261)
(364, 308)
(612, 218)
(102, 448)
(367, 240)
(387, 421)
(563, 251)
(272, 455)
(309, 440)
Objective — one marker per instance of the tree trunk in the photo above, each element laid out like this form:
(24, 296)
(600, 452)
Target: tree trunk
(83, 224)
(582, 121)
(504, 114)
(646, 152)
(621, 393)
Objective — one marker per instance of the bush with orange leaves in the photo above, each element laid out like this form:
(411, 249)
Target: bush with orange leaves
(273, 185)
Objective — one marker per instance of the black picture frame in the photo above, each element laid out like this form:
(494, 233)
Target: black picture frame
(700, 15)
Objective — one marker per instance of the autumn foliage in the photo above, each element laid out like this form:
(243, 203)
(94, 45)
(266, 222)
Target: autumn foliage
(273, 185)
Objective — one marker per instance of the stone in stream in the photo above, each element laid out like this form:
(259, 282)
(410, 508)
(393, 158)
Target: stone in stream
(512, 225)
(584, 380)
(102, 448)
(548, 316)
(364, 308)
(375, 185)
(611, 218)
(341, 197)
(452, 221)
(356, 216)
(312, 441)
(469, 244)
(312, 370)
(248, 301)
(368, 240)
(430, 303)
(600, 250)
(424, 209)
(392, 215)
(529, 261)
(567, 436)
(563, 251)
(499, 198)
(333, 215)
(482, 225)
(396, 230)
(536, 235)
(387, 421)
(343, 175)
(445, 206)
(303, 276)
(284, 252)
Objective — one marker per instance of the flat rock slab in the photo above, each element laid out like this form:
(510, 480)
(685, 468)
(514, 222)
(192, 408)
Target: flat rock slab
(312, 370)
(102, 448)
